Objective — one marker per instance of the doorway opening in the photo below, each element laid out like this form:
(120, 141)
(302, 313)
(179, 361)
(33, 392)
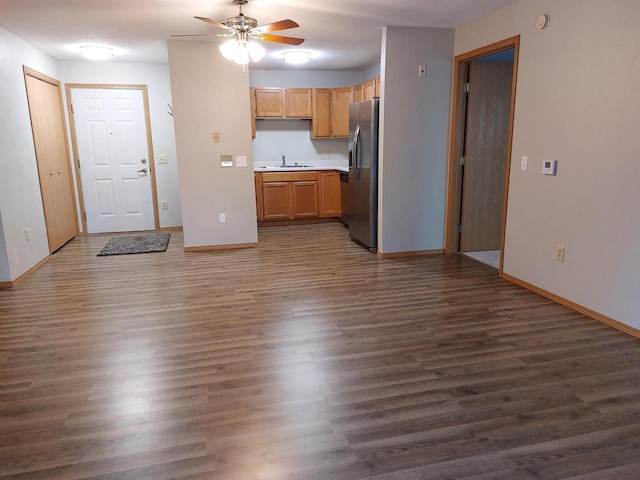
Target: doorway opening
(481, 136)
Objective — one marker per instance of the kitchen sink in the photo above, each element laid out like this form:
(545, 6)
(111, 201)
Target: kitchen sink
(296, 166)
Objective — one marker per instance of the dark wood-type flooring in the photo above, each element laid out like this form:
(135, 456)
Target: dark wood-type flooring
(305, 358)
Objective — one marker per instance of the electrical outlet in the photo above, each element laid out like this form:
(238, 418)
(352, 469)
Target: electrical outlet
(165, 205)
(422, 70)
(222, 218)
(162, 159)
(560, 253)
(27, 234)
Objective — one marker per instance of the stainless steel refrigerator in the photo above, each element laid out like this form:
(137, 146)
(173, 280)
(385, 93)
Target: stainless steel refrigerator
(363, 173)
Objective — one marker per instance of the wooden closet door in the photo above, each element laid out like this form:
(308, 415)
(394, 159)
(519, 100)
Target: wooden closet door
(488, 110)
(52, 156)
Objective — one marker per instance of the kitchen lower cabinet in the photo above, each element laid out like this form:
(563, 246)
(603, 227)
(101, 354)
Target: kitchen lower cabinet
(329, 193)
(304, 196)
(297, 195)
(276, 198)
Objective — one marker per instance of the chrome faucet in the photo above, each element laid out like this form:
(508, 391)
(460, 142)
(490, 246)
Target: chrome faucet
(284, 163)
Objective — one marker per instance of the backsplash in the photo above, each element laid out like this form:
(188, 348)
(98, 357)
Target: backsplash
(292, 138)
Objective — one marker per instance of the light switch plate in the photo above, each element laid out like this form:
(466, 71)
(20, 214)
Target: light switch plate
(524, 163)
(241, 160)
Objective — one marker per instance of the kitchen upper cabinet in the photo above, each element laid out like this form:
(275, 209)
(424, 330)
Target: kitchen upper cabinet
(297, 102)
(377, 86)
(340, 100)
(269, 102)
(369, 89)
(331, 112)
(358, 93)
(282, 102)
(329, 193)
(321, 109)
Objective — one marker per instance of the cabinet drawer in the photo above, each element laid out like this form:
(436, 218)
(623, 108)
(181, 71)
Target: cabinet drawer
(289, 176)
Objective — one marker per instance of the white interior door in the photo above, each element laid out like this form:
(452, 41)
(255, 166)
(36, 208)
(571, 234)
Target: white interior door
(111, 137)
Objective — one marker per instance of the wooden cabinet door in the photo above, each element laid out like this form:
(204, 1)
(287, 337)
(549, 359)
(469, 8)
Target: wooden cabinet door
(269, 103)
(340, 100)
(259, 196)
(298, 102)
(329, 194)
(377, 79)
(358, 91)
(321, 110)
(344, 202)
(369, 89)
(277, 200)
(305, 199)
(252, 102)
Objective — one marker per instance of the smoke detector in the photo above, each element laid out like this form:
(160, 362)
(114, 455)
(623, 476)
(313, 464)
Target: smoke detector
(542, 21)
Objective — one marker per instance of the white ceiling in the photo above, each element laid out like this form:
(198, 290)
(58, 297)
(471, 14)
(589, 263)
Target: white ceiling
(341, 34)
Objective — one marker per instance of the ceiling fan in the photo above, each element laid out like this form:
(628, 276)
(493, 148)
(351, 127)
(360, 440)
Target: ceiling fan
(243, 30)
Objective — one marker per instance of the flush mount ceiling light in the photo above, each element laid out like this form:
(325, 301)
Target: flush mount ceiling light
(296, 57)
(96, 52)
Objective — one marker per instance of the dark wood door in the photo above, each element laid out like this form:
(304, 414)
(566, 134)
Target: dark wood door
(485, 155)
(52, 156)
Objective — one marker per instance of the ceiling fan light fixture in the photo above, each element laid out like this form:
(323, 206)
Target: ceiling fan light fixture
(242, 51)
(296, 57)
(96, 52)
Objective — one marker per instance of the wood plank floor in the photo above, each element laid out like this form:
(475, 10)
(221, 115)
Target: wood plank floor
(305, 358)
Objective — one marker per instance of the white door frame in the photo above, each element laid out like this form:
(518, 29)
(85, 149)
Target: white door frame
(74, 141)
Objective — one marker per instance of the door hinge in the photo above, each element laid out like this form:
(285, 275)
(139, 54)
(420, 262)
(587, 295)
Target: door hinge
(459, 228)
(466, 87)
(463, 160)
(84, 215)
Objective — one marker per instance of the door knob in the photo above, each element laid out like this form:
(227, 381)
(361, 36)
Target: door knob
(144, 170)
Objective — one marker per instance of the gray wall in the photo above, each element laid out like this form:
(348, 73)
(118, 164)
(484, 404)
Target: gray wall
(211, 94)
(577, 102)
(414, 126)
(20, 198)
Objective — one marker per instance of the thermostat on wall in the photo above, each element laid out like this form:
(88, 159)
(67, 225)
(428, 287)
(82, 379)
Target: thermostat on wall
(549, 167)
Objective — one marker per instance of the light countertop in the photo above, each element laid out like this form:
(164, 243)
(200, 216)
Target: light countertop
(293, 168)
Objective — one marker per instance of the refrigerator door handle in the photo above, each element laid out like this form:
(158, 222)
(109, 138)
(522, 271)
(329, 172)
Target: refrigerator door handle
(356, 149)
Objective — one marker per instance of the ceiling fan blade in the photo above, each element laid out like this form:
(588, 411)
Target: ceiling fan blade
(203, 35)
(276, 26)
(213, 22)
(279, 39)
